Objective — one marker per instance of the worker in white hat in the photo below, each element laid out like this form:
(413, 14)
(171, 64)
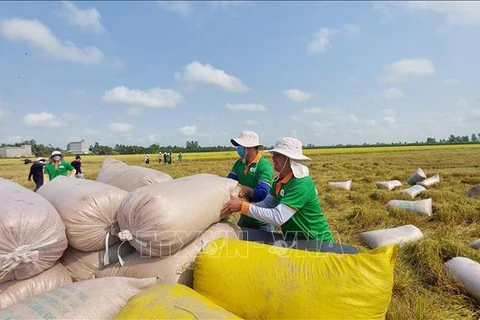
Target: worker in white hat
(58, 166)
(292, 202)
(254, 173)
(36, 172)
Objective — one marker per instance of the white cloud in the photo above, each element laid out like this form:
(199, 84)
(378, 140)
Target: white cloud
(452, 82)
(320, 42)
(402, 69)
(251, 123)
(86, 19)
(43, 119)
(389, 112)
(393, 93)
(189, 130)
(389, 120)
(253, 107)
(121, 128)
(38, 35)
(183, 8)
(297, 95)
(461, 13)
(196, 72)
(152, 98)
(461, 103)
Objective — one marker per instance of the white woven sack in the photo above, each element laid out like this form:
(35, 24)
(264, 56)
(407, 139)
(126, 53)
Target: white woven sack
(466, 273)
(177, 268)
(342, 185)
(427, 183)
(161, 218)
(15, 291)
(399, 235)
(89, 299)
(417, 176)
(414, 191)
(388, 185)
(88, 208)
(422, 207)
(475, 244)
(128, 177)
(32, 233)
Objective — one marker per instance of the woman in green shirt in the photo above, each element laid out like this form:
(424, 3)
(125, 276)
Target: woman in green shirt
(58, 166)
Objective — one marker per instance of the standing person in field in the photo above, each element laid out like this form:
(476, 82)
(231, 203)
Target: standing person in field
(254, 174)
(147, 159)
(77, 164)
(165, 157)
(160, 157)
(169, 157)
(180, 157)
(36, 172)
(58, 166)
(292, 202)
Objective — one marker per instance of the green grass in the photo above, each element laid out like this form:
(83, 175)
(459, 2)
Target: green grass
(421, 290)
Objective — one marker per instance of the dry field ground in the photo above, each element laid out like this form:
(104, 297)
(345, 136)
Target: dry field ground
(422, 289)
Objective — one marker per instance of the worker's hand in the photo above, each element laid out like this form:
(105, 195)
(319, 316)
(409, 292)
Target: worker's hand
(233, 205)
(245, 192)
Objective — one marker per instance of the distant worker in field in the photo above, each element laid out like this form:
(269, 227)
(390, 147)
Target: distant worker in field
(165, 157)
(36, 172)
(292, 202)
(58, 166)
(169, 157)
(254, 174)
(77, 164)
(147, 159)
(180, 157)
(160, 157)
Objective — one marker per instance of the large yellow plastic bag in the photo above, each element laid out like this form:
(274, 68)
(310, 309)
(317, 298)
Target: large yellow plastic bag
(258, 281)
(172, 301)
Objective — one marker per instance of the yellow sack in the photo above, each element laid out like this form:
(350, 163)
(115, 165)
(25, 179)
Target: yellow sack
(258, 281)
(172, 301)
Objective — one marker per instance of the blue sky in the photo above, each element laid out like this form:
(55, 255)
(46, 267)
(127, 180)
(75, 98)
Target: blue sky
(167, 72)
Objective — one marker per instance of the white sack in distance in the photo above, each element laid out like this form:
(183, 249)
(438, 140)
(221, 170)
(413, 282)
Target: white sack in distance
(128, 177)
(388, 185)
(177, 268)
(466, 273)
(414, 191)
(417, 176)
(88, 208)
(383, 237)
(422, 207)
(32, 233)
(342, 185)
(474, 191)
(89, 299)
(160, 219)
(475, 244)
(430, 181)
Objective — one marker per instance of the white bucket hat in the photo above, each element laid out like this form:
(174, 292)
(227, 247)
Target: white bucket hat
(56, 153)
(40, 159)
(247, 139)
(292, 148)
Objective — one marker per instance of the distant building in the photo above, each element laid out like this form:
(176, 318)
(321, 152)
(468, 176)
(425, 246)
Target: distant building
(80, 147)
(11, 152)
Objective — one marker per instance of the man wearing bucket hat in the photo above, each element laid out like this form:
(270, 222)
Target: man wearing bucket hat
(58, 166)
(36, 172)
(292, 202)
(254, 174)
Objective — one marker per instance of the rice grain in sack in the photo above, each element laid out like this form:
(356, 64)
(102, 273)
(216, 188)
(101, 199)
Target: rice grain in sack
(177, 268)
(32, 233)
(128, 177)
(88, 208)
(15, 291)
(90, 299)
(417, 176)
(160, 219)
(388, 185)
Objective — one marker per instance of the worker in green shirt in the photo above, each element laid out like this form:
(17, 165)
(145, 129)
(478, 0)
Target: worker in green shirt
(292, 202)
(254, 174)
(58, 166)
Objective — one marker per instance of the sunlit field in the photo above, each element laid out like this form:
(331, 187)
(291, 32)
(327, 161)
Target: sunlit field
(422, 290)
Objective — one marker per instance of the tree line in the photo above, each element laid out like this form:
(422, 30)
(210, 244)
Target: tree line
(39, 149)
